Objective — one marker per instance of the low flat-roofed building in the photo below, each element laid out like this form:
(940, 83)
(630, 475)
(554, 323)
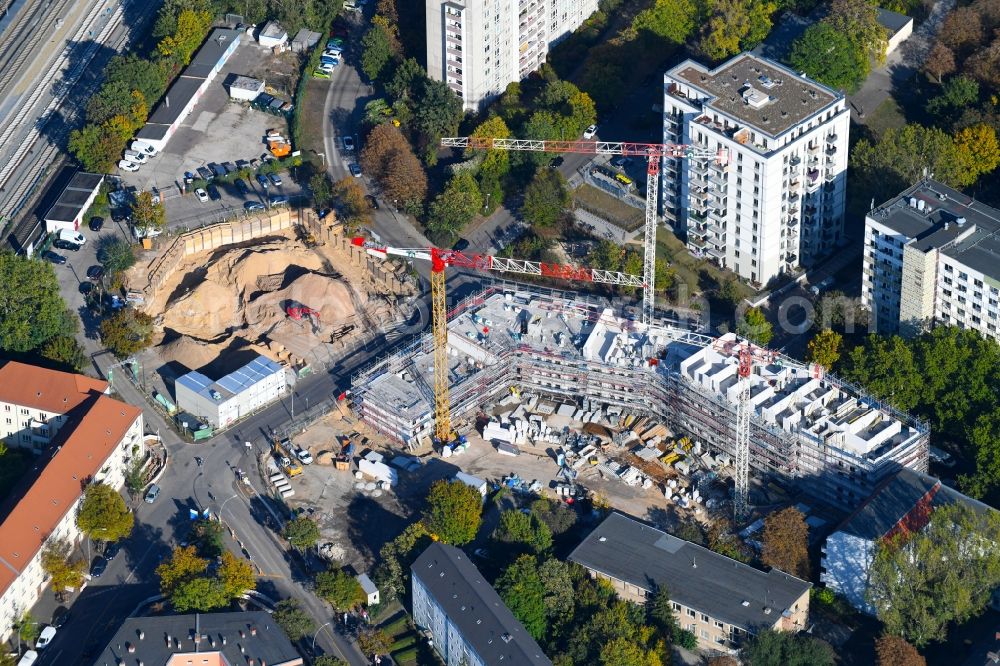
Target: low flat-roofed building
(205, 639)
(272, 34)
(898, 28)
(716, 598)
(236, 395)
(68, 210)
(245, 88)
(305, 39)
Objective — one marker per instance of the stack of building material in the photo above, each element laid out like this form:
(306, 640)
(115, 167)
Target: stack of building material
(494, 432)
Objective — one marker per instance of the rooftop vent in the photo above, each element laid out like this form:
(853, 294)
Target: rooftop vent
(767, 611)
(960, 221)
(603, 539)
(746, 603)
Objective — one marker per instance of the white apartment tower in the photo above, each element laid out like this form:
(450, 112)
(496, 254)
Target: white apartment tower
(932, 255)
(778, 204)
(479, 46)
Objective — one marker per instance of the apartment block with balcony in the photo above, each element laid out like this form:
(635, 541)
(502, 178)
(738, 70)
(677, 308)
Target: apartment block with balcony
(478, 47)
(932, 255)
(777, 204)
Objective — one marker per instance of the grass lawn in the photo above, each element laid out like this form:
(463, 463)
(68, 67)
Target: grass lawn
(888, 115)
(312, 116)
(407, 648)
(699, 274)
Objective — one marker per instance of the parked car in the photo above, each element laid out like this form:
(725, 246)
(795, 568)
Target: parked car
(320, 74)
(119, 214)
(460, 245)
(229, 167)
(242, 186)
(253, 206)
(242, 164)
(98, 566)
(45, 637)
(96, 223)
(201, 194)
(152, 494)
(262, 180)
(143, 147)
(86, 287)
(275, 179)
(334, 43)
(590, 132)
(254, 163)
(127, 166)
(355, 169)
(57, 259)
(135, 157)
(95, 272)
(213, 192)
(205, 173)
(61, 244)
(372, 201)
(304, 456)
(335, 52)
(348, 144)
(112, 549)
(280, 200)
(556, 162)
(60, 616)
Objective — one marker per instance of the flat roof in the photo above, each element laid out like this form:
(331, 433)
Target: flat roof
(153, 131)
(75, 195)
(273, 30)
(170, 639)
(475, 608)
(210, 54)
(892, 21)
(175, 99)
(758, 92)
(735, 593)
(234, 383)
(246, 83)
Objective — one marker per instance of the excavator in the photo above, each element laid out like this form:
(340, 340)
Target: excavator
(298, 312)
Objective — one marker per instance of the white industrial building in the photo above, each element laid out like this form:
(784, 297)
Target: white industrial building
(73, 202)
(932, 255)
(778, 203)
(222, 402)
(478, 47)
(272, 34)
(898, 28)
(245, 88)
(574, 352)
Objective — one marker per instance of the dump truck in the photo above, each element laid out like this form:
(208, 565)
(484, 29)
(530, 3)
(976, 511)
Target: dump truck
(286, 461)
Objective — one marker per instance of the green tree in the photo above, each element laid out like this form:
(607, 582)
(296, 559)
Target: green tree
(376, 52)
(374, 641)
(557, 583)
(28, 629)
(672, 20)
(660, 611)
(295, 622)
(328, 660)
(984, 440)
(545, 199)
(103, 515)
(183, 565)
(496, 163)
(957, 93)
(341, 589)
(353, 209)
(521, 589)
(606, 255)
(322, 189)
(784, 648)
(135, 477)
(556, 515)
(405, 80)
(65, 571)
(454, 512)
(755, 327)
(977, 150)
(886, 368)
(455, 207)
(32, 309)
(115, 254)
(624, 652)
(200, 594)
(829, 56)
(236, 575)
(146, 214)
(901, 155)
(302, 532)
(921, 582)
(786, 542)
(136, 73)
(438, 111)
(858, 19)
(127, 332)
(390, 575)
(94, 148)
(516, 527)
(824, 348)
(65, 351)
(734, 26)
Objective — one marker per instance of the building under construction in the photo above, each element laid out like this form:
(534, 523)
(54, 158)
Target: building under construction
(804, 426)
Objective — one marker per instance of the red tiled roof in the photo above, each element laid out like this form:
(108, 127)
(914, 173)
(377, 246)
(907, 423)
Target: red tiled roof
(41, 388)
(82, 454)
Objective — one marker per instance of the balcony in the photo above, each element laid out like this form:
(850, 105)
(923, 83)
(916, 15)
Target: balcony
(795, 161)
(831, 138)
(718, 231)
(697, 242)
(813, 175)
(715, 253)
(813, 150)
(793, 197)
(831, 151)
(697, 231)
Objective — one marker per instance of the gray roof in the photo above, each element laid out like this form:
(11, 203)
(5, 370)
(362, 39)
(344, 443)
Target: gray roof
(273, 30)
(235, 382)
(210, 53)
(475, 608)
(974, 243)
(152, 131)
(892, 21)
(175, 99)
(726, 590)
(791, 97)
(70, 203)
(269, 645)
(895, 498)
(307, 37)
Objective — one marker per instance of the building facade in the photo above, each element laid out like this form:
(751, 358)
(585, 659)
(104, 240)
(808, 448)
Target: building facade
(94, 442)
(258, 383)
(719, 600)
(470, 624)
(777, 204)
(478, 47)
(932, 255)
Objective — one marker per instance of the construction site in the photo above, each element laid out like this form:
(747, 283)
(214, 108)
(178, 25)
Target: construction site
(535, 368)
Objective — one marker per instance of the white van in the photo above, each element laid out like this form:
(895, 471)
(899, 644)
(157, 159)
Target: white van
(29, 658)
(143, 147)
(72, 236)
(133, 156)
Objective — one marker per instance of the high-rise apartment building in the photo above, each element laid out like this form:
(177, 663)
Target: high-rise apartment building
(932, 254)
(778, 203)
(479, 46)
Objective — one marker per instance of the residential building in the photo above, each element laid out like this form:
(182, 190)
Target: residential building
(209, 639)
(826, 436)
(469, 622)
(903, 503)
(478, 47)
(93, 441)
(716, 598)
(932, 255)
(777, 203)
(258, 383)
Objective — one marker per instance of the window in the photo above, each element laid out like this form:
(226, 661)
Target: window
(720, 640)
(963, 276)
(704, 633)
(718, 625)
(704, 618)
(947, 268)
(676, 606)
(691, 613)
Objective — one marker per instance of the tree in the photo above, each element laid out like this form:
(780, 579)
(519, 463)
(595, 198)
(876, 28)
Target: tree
(557, 583)
(978, 151)
(455, 207)
(886, 368)
(374, 642)
(388, 156)
(784, 648)
(671, 20)
(341, 589)
(984, 440)
(496, 163)
(295, 622)
(755, 327)
(516, 527)
(920, 582)
(858, 19)
(127, 332)
(660, 611)
(115, 254)
(454, 512)
(328, 660)
(95, 148)
(723, 660)
(27, 629)
(302, 532)
(824, 348)
(624, 652)
(734, 26)
(545, 198)
(901, 155)
(376, 52)
(829, 56)
(135, 477)
(32, 309)
(957, 93)
(200, 594)
(786, 542)
(940, 61)
(321, 188)
(390, 574)
(65, 351)
(146, 214)
(556, 515)
(65, 570)
(103, 515)
(149, 79)
(962, 31)
(521, 589)
(895, 651)
(404, 81)
(437, 113)
(353, 208)
(183, 565)
(236, 575)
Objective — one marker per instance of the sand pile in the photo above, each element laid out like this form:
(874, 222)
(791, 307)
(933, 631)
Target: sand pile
(330, 297)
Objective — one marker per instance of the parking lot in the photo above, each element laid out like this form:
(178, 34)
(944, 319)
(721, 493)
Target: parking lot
(221, 130)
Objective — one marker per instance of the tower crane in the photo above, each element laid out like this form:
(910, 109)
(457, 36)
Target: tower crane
(653, 152)
(441, 259)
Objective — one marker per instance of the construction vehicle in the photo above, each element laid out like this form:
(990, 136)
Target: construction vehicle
(279, 148)
(298, 312)
(286, 461)
(653, 152)
(440, 259)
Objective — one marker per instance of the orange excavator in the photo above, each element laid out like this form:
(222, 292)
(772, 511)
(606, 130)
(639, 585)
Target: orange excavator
(298, 312)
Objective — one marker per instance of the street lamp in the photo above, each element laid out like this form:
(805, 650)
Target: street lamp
(325, 624)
